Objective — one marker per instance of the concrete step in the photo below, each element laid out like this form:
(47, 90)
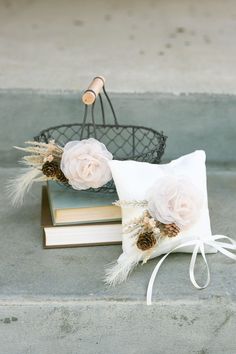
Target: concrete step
(190, 47)
(55, 300)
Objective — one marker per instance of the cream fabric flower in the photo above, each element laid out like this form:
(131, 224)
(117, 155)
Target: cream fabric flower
(85, 164)
(174, 200)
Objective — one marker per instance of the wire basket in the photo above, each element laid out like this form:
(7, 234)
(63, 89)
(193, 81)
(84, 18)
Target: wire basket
(125, 142)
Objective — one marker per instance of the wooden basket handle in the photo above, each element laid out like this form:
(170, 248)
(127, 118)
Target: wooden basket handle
(93, 90)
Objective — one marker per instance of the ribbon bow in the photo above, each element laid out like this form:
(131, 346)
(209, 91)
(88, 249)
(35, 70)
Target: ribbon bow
(222, 247)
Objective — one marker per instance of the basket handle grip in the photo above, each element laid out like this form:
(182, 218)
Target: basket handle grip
(93, 90)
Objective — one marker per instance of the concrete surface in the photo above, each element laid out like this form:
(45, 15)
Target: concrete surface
(55, 300)
(127, 328)
(190, 121)
(161, 46)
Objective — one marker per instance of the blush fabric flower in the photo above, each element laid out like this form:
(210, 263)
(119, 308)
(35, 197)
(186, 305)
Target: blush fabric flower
(174, 200)
(85, 164)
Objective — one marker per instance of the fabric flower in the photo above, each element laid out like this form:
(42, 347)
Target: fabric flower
(174, 200)
(85, 164)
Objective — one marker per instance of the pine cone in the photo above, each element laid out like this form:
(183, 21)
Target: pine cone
(61, 177)
(50, 169)
(146, 241)
(171, 230)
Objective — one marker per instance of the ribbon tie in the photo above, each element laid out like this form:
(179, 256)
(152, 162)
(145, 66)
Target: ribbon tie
(212, 241)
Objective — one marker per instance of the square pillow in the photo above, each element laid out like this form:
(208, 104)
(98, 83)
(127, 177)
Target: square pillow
(136, 184)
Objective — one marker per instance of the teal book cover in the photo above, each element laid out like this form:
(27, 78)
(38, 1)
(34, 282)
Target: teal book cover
(70, 206)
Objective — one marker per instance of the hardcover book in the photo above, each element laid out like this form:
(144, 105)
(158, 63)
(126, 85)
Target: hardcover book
(76, 235)
(80, 207)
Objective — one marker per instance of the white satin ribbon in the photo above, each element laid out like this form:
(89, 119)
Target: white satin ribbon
(212, 241)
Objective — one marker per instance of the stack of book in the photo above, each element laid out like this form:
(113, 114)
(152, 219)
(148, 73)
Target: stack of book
(79, 218)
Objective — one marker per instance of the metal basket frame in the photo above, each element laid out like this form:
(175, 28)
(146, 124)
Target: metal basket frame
(140, 146)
